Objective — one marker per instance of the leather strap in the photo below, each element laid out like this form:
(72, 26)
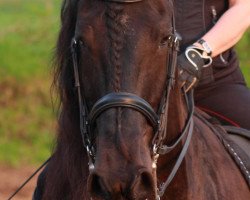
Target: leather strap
(164, 186)
(164, 149)
(237, 131)
(187, 130)
(124, 99)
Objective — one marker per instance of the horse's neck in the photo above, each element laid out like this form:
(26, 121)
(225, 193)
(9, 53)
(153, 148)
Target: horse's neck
(207, 171)
(177, 114)
(176, 120)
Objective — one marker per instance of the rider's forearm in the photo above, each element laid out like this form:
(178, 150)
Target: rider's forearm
(230, 27)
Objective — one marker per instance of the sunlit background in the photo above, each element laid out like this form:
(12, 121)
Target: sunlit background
(28, 32)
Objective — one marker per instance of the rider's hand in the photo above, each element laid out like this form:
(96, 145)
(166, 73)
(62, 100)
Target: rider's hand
(190, 64)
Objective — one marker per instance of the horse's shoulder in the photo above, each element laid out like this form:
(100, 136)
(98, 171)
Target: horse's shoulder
(203, 123)
(236, 145)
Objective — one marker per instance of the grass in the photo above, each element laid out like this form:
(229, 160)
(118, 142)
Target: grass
(26, 122)
(243, 48)
(27, 37)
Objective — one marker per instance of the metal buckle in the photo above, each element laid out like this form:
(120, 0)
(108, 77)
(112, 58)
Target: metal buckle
(174, 41)
(155, 156)
(189, 86)
(158, 197)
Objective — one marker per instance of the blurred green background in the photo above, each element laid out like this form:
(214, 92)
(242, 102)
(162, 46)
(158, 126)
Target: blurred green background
(28, 35)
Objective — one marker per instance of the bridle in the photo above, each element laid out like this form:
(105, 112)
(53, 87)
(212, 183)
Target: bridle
(158, 120)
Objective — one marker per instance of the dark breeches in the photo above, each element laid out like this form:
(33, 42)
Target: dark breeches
(228, 102)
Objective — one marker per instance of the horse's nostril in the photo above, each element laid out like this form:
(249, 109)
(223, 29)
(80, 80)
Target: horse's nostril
(147, 180)
(96, 186)
(143, 186)
(116, 188)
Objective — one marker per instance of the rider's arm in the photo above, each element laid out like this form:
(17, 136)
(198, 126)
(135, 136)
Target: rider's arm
(229, 28)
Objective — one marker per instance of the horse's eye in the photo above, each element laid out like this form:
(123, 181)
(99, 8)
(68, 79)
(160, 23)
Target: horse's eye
(164, 41)
(83, 44)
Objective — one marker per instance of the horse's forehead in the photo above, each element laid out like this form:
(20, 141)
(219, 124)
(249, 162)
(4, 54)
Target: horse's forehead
(134, 8)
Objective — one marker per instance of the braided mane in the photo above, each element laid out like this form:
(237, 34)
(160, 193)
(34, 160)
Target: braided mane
(116, 39)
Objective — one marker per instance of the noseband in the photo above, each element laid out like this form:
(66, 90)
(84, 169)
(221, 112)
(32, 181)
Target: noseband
(126, 100)
(158, 120)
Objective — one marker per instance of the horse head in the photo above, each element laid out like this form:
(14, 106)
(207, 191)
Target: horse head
(120, 52)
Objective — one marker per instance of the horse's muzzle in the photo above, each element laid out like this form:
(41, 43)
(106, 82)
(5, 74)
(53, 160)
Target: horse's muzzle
(133, 186)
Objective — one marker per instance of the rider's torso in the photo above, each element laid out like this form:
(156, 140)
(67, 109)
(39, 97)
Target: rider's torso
(193, 19)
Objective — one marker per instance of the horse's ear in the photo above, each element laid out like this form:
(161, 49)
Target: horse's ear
(62, 70)
(66, 5)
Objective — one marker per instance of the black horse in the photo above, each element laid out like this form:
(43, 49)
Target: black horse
(116, 65)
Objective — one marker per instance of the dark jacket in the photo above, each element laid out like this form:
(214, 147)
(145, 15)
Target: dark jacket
(193, 19)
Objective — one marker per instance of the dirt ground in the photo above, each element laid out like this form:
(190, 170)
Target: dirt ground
(12, 178)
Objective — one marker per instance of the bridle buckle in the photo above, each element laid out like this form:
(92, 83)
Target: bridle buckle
(174, 40)
(189, 86)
